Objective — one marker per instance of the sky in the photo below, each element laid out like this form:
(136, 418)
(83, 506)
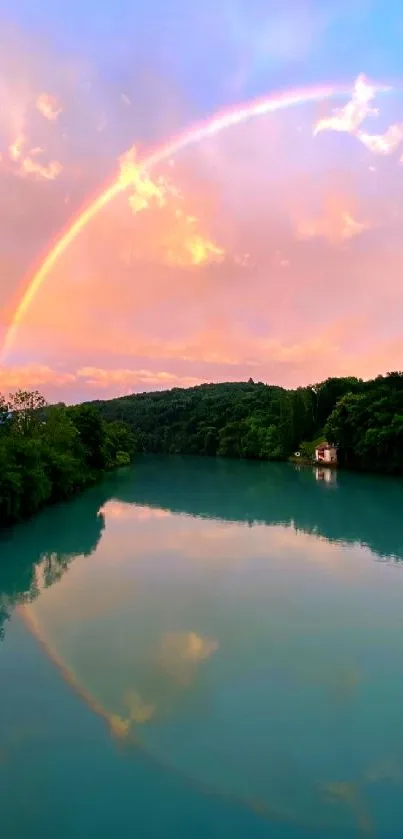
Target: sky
(269, 249)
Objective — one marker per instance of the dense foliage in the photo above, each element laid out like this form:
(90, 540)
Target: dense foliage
(248, 420)
(242, 419)
(368, 426)
(47, 453)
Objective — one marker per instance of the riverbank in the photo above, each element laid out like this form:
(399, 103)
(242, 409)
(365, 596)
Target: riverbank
(49, 453)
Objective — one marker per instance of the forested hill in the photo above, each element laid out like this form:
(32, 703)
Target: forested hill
(254, 420)
(48, 453)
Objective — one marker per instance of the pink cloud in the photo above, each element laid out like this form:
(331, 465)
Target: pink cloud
(93, 378)
(32, 376)
(309, 279)
(124, 380)
(383, 143)
(49, 106)
(351, 116)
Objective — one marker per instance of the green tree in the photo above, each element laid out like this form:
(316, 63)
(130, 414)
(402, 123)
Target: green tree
(120, 443)
(11, 488)
(26, 408)
(230, 440)
(49, 452)
(368, 426)
(4, 411)
(88, 422)
(210, 441)
(62, 452)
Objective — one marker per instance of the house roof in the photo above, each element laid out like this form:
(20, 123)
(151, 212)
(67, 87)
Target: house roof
(324, 445)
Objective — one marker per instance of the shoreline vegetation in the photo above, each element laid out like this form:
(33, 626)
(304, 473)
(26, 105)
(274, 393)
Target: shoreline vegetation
(50, 452)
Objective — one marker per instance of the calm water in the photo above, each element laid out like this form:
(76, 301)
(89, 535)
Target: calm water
(200, 648)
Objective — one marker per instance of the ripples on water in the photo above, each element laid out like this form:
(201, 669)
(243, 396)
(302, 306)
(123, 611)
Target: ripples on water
(233, 626)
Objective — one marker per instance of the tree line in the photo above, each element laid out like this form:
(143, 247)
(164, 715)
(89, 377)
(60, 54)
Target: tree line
(50, 452)
(254, 420)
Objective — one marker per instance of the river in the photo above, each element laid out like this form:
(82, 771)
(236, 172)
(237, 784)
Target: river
(205, 648)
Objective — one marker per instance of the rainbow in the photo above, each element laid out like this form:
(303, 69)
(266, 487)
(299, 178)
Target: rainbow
(201, 131)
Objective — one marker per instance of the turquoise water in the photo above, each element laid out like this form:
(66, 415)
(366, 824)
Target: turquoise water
(205, 648)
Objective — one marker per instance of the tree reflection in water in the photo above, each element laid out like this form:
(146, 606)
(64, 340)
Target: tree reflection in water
(363, 510)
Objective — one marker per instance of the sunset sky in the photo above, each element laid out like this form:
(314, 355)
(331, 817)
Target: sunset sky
(271, 249)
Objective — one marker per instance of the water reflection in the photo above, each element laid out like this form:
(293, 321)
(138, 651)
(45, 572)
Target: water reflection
(367, 511)
(326, 475)
(233, 626)
(37, 553)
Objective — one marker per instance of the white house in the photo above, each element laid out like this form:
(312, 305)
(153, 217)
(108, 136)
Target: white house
(325, 453)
